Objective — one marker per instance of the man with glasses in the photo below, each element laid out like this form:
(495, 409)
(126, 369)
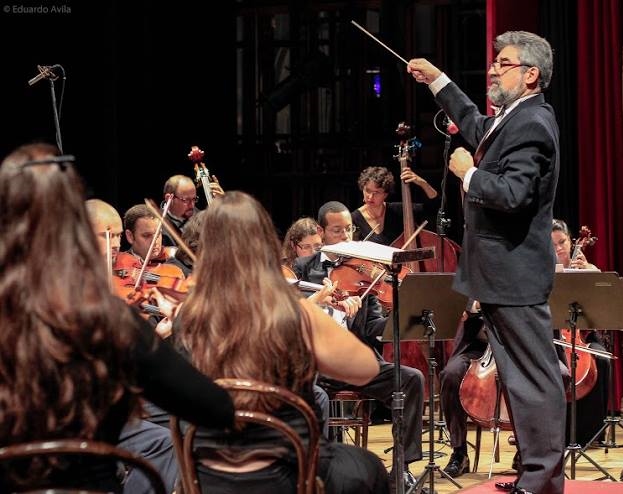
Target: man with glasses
(508, 260)
(365, 319)
(183, 193)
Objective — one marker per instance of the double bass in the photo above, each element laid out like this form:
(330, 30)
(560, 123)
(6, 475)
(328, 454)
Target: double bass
(412, 353)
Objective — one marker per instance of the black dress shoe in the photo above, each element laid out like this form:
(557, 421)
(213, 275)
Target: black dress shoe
(458, 465)
(506, 486)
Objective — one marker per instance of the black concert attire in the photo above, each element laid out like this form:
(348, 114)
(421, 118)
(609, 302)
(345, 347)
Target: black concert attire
(344, 469)
(392, 223)
(367, 325)
(165, 378)
(507, 263)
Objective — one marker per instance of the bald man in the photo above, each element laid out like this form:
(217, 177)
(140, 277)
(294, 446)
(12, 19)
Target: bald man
(148, 440)
(105, 221)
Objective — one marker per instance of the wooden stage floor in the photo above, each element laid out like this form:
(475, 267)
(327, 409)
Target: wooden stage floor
(380, 438)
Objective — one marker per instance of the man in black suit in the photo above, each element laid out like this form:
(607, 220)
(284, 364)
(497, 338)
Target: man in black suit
(365, 319)
(508, 260)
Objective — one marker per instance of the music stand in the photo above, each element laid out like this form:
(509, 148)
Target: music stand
(429, 301)
(392, 258)
(586, 299)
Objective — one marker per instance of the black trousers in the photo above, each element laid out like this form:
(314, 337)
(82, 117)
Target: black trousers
(382, 387)
(527, 363)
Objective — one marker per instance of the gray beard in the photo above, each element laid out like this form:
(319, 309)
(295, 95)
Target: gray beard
(501, 97)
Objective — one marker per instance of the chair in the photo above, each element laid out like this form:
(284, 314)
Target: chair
(82, 448)
(359, 418)
(307, 457)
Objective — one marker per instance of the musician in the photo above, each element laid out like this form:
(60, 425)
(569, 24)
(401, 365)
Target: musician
(276, 337)
(89, 354)
(183, 193)
(376, 183)
(507, 260)
(190, 236)
(367, 323)
(107, 226)
(592, 408)
(140, 226)
(302, 239)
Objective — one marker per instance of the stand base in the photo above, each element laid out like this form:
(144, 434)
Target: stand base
(574, 451)
(429, 474)
(610, 423)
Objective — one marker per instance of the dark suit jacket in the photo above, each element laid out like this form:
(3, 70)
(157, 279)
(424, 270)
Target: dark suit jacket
(369, 321)
(507, 253)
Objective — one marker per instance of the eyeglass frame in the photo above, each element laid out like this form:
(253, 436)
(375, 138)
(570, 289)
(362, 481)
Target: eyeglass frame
(497, 66)
(187, 200)
(314, 247)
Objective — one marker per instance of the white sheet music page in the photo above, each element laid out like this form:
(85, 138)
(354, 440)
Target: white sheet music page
(363, 249)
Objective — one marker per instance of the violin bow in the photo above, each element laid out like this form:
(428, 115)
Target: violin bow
(151, 205)
(139, 278)
(109, 258)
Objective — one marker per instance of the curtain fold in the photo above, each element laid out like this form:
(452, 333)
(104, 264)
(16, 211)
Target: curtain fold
(600, 140)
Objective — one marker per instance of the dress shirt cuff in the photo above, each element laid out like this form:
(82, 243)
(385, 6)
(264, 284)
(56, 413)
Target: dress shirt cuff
(438, 84)
(468, 178)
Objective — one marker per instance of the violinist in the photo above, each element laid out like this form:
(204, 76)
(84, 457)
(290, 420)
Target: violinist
(144, 438)
(367, 323)
(141, 226)
(302, 239)
(376, 183)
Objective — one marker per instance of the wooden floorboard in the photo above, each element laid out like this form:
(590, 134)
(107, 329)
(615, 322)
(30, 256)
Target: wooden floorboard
(380, 438)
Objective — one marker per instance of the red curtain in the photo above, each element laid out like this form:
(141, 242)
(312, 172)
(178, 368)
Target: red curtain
(600, 139)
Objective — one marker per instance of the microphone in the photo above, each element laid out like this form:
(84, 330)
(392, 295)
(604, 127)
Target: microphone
(45, 72)
(451, 127)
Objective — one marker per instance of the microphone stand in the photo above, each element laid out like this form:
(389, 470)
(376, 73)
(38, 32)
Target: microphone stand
(56, 113)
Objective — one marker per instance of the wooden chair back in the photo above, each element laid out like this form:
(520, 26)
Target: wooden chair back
(307, 457)
(82, 448)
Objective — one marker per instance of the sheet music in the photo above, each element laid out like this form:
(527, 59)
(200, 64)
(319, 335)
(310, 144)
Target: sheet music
(363, 249)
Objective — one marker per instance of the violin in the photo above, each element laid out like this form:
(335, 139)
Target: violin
(360, 277)
(168, 278)
(307, 286)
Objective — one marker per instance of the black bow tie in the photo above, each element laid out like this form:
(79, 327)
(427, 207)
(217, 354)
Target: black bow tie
(326, 264)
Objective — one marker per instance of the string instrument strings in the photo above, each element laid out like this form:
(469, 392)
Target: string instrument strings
(139, 278)
(171, 230)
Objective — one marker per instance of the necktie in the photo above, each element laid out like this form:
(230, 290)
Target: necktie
(483, 144)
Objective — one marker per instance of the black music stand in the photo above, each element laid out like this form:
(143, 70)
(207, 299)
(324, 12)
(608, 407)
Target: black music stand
(392, 258)
(586, 298)
(428, 300)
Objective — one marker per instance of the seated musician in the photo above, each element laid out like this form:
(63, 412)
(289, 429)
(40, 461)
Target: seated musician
(146, 439)
(385, 218)
(243, 320)
(593, 407)
(364, 318)
(302, 239)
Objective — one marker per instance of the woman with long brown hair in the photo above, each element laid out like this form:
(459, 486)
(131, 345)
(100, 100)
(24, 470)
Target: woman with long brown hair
(73, 357)
(243, 320)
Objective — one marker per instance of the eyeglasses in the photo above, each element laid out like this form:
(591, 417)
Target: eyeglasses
(497, 65)
(347, 229)
(187, 200)
(314, 247)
